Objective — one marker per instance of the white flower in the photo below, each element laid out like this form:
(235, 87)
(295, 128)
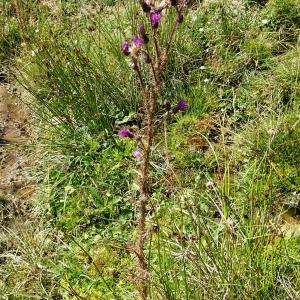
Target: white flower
(209, 184)
(202, 68)
(206, 80)
(272, 131)
(201, 29)
(264, 21)
(34, 52)
(37, 31)
(193, 18)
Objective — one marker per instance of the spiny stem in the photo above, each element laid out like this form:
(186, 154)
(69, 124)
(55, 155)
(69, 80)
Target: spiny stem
(143, 86)
(143, 277)
(150, 93)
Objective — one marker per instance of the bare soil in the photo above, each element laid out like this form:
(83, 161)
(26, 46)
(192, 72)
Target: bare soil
(15, 183)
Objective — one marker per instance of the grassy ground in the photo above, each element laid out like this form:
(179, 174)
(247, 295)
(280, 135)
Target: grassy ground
(224, 215)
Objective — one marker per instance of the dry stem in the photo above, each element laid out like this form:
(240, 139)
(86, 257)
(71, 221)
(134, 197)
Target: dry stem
(150, 98)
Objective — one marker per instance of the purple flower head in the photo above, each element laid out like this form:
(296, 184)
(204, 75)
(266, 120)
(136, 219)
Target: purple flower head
(182, 105)
(137, 153)
(125, 48)
(155, 18)
(142, 29)
(138, 41)
(123, 133)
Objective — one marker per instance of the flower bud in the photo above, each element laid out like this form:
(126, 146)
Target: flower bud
(143, 33)
(137, 153)
(145, 6)
(124, 133)
(135, 65)
(147, 58)
(125, 48)
(167, 105)
(181, 106)
(180, 18)
(209, 184)
(155, 18)
(138, 41)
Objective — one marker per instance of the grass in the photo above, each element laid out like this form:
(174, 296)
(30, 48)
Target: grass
(224, 172)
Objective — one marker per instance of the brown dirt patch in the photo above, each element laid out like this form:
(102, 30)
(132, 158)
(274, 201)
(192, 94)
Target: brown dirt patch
(15, 183)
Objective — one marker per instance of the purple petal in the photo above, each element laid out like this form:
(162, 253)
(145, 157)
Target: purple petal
(143, 33)
(181, 105)
(123, 133)
(137, 153)
(138, 41)
(155, 18)
(142, 29)
(125, 48)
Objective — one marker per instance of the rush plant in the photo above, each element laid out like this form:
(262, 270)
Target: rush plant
(148, 55)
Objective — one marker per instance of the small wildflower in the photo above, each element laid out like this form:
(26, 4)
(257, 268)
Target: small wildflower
(138, 41)
(181, 106)
(59, 90)
(264, 21)
(206, 80)
(202, 68)
(209, 184)
(201, 29)
(137, 153)
(125, 48)
(34, 52)
(155, 18)
(124, 133)
(193, 18)
(272, 131)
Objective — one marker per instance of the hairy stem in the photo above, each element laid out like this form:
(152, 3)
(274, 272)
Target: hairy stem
(150, 98)
(142, 273)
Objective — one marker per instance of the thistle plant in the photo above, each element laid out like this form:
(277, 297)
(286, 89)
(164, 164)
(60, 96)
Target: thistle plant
(149, 58)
